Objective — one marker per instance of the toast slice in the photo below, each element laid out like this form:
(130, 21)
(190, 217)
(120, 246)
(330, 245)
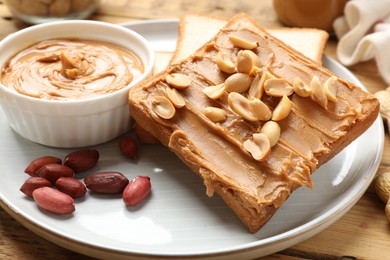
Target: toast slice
(162, 60)
(195, 30)
(225, 153)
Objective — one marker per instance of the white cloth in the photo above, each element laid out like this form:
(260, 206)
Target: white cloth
(364, 34)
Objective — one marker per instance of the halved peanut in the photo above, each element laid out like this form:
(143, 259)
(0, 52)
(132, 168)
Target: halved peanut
(260, 110)
(255, 58)
(175, 97)
(256, 89)
(277, 87)
(282, 110)
(242, 43)
(272, 130)
(240, 105)
(246, 61)
(331, 88)
(318, 92)
(225, 63)
(259, 147)
(238, 82)
(301, 88)
(214, 92)
(178, 80)
(163, 107)
(215, 114)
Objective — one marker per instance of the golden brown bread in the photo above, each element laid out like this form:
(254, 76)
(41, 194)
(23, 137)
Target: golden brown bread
(195, 30)
(310, 134)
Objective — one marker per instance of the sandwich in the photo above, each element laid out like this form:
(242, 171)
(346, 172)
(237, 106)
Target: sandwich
(253, 117)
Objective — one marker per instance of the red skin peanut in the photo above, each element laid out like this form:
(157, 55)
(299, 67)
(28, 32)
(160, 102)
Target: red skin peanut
(52, 172)
(106, 182)
(37, 163)
(82, 160)
(128, 147)
(53, 200)
(34, 183)
(71, 186)
(137, 190)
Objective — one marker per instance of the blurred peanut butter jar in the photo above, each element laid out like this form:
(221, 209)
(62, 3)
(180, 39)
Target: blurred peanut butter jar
(318, 14)
(40, 11)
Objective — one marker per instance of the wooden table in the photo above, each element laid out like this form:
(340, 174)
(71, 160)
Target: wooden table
(363, 233)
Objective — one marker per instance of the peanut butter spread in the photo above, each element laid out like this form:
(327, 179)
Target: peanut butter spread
(310, 135)
(69, 69)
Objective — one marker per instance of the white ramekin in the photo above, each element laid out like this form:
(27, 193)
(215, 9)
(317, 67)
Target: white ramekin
(75, 123)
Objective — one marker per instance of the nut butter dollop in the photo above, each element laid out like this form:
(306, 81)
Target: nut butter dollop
(70, 69)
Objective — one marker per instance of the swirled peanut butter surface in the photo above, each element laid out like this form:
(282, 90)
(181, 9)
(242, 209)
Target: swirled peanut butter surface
(70, 69)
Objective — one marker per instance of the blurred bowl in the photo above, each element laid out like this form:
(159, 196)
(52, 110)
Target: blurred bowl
(41, 11)
(71, 123)
(318, 14)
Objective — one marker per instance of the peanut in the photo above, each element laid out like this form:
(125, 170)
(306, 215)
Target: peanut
(240, 104)
(106, 182)
(128, 147)
(318, 90)
(282, 110)
(82, 160)
(242, 43)
(331, 88)
(214, 92)
(53, 200)
(71, 187)
(256, 88)
(37, 163)
(245, 61)
(52, 172)
(260, 110)
(163, 107)
(34, 183)
(178, 80)
(382, 186)
(137, 190)
(272, 130)
(277, 87)
(382, 189)
(215, 114)
(225, 63)
(238, 82)
(387, 210)
(259, 146)
(175, 97)
(301, 88)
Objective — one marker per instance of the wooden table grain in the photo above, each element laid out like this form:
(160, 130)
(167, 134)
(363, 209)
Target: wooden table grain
(363, 233)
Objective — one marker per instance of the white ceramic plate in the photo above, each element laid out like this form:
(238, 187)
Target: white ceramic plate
(178, 219)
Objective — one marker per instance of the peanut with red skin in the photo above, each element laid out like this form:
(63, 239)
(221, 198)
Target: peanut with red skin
(106, 182)
(137, 190)
(82, 160)
(34, 183)
(71, 186)
(53, 200)
(37, 163)
(52, 172)
(128, 147)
